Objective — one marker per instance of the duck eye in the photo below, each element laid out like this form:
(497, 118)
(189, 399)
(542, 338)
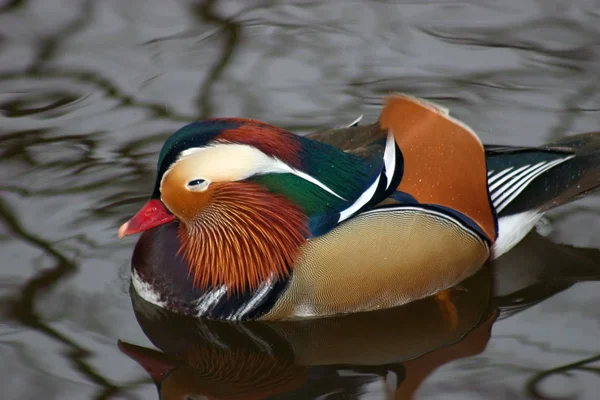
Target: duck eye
(197, 185)
(196, 182)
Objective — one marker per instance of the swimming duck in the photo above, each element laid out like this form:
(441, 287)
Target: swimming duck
(249, 221)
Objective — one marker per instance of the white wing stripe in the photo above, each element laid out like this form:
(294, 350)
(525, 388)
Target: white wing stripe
(389, 158)
(498, 175)
(501, 191)
(361, 201)
(517, 190)
(389, 162)
(516, 182)
(507, 177)
(355, 122)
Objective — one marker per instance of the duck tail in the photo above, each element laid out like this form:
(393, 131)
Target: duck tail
(578, 176)
(537, 179)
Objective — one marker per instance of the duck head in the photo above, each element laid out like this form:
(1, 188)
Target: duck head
(243, 193)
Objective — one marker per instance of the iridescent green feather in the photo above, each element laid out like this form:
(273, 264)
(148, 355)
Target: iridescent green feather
(345, 174)
(309, 197)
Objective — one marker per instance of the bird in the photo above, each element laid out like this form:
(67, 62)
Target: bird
(248, 221)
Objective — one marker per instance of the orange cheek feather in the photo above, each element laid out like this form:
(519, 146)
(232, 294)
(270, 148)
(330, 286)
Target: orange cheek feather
(187, 205)
(246, 236)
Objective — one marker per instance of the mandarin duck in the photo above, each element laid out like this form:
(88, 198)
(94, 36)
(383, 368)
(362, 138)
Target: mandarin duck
(248, 221)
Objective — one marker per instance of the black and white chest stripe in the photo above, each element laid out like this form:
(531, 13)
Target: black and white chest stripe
(242, 307)
(217, 302)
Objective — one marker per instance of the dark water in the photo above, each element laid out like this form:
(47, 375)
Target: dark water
(90, 89)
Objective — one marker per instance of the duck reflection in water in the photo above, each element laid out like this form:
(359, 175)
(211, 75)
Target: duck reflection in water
(387, 353)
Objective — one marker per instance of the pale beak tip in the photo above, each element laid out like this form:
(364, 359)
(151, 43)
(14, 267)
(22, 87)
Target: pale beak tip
(123, 230)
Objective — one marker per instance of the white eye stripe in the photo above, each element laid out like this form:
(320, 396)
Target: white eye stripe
(234, 162)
